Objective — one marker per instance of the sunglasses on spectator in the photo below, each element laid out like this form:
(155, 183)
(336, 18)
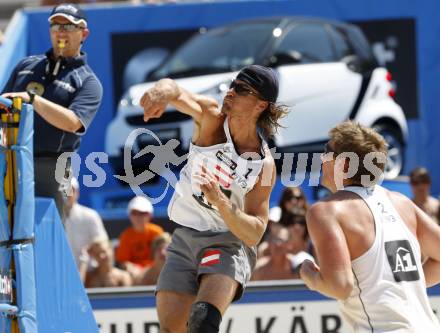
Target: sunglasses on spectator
(242, 90)
(278, 241)
(298, 196)
(300, 222)
(420, 181)
(69, 27)
(138, 213)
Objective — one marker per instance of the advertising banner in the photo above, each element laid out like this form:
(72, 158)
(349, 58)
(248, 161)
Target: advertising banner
(265, 308)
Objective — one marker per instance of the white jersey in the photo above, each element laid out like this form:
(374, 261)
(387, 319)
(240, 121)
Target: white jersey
(235, 174)
(390, 290)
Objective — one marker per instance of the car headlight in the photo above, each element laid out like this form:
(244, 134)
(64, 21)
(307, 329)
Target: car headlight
(126, 100)
(218, 91)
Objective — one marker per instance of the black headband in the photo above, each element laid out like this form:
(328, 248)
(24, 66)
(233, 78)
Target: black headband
(263, 79)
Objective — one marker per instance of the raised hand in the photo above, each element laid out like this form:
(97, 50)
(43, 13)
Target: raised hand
(154, 102)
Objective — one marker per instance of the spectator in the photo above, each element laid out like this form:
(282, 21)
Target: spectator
(134, 250)
(277, 265)
(421, 187)
(298, 243)
(82, 225)
(105, 274)
(293, 201)
(158, 249)
(272, 226)
(65, 94)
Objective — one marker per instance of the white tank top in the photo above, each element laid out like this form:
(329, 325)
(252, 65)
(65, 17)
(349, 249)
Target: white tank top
(389, 294)
(236, 176)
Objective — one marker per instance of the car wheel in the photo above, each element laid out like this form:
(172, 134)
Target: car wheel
(396, 150)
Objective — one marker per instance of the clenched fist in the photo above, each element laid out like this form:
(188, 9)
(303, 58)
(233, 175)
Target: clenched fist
(154, 103)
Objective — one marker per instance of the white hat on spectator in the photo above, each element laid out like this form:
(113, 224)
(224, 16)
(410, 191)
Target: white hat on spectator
(275, 214)
(140, 204)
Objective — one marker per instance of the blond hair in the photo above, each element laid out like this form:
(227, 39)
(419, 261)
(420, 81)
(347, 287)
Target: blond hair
(355, 138)
(269, 119)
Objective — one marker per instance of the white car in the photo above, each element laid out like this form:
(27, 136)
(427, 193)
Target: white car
(327, 74)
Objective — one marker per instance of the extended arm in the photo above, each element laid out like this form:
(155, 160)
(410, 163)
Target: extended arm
(202, 109)
(54, 114)
(333, 277)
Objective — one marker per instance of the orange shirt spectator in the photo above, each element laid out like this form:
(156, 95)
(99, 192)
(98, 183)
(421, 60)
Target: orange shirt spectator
(135, 246)
(135, 242)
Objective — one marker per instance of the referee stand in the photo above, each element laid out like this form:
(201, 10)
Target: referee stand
(40, 288)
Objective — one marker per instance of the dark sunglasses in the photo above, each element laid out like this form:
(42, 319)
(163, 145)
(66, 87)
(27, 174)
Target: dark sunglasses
(242, 90)
(420, 181)
(69, 27)
(298, 197)
(300, 222)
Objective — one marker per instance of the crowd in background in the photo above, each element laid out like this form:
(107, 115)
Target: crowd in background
(138, 255)
(136, 258)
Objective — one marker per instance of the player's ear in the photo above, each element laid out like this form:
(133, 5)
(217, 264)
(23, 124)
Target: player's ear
(262, 105)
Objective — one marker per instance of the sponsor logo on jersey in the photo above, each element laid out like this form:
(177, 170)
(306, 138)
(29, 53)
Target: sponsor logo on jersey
(226, 159)
(402, 261)
(223, 177)
(35, 87)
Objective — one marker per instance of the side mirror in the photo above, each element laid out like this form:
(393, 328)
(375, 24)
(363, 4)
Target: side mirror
(285, 58)
(359, 65)
(353, 63)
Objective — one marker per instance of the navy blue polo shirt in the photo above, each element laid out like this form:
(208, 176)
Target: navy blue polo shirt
(75, 87)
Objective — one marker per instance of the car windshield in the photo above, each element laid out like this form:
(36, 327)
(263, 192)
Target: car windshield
(218, 51)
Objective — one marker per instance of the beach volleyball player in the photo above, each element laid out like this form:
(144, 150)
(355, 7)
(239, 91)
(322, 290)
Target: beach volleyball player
(221, 201)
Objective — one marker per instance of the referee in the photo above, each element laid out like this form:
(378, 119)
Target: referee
(65, 94)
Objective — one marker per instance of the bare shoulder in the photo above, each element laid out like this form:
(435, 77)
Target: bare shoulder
(332, 204)
(404, 205)
(321, 210)
(209, 105)
(335, 208)
(399, 197)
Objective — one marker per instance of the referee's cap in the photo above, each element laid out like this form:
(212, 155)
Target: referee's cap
(71, 12)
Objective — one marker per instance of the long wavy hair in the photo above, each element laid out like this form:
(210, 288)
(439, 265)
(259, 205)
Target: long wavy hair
(269, 119)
